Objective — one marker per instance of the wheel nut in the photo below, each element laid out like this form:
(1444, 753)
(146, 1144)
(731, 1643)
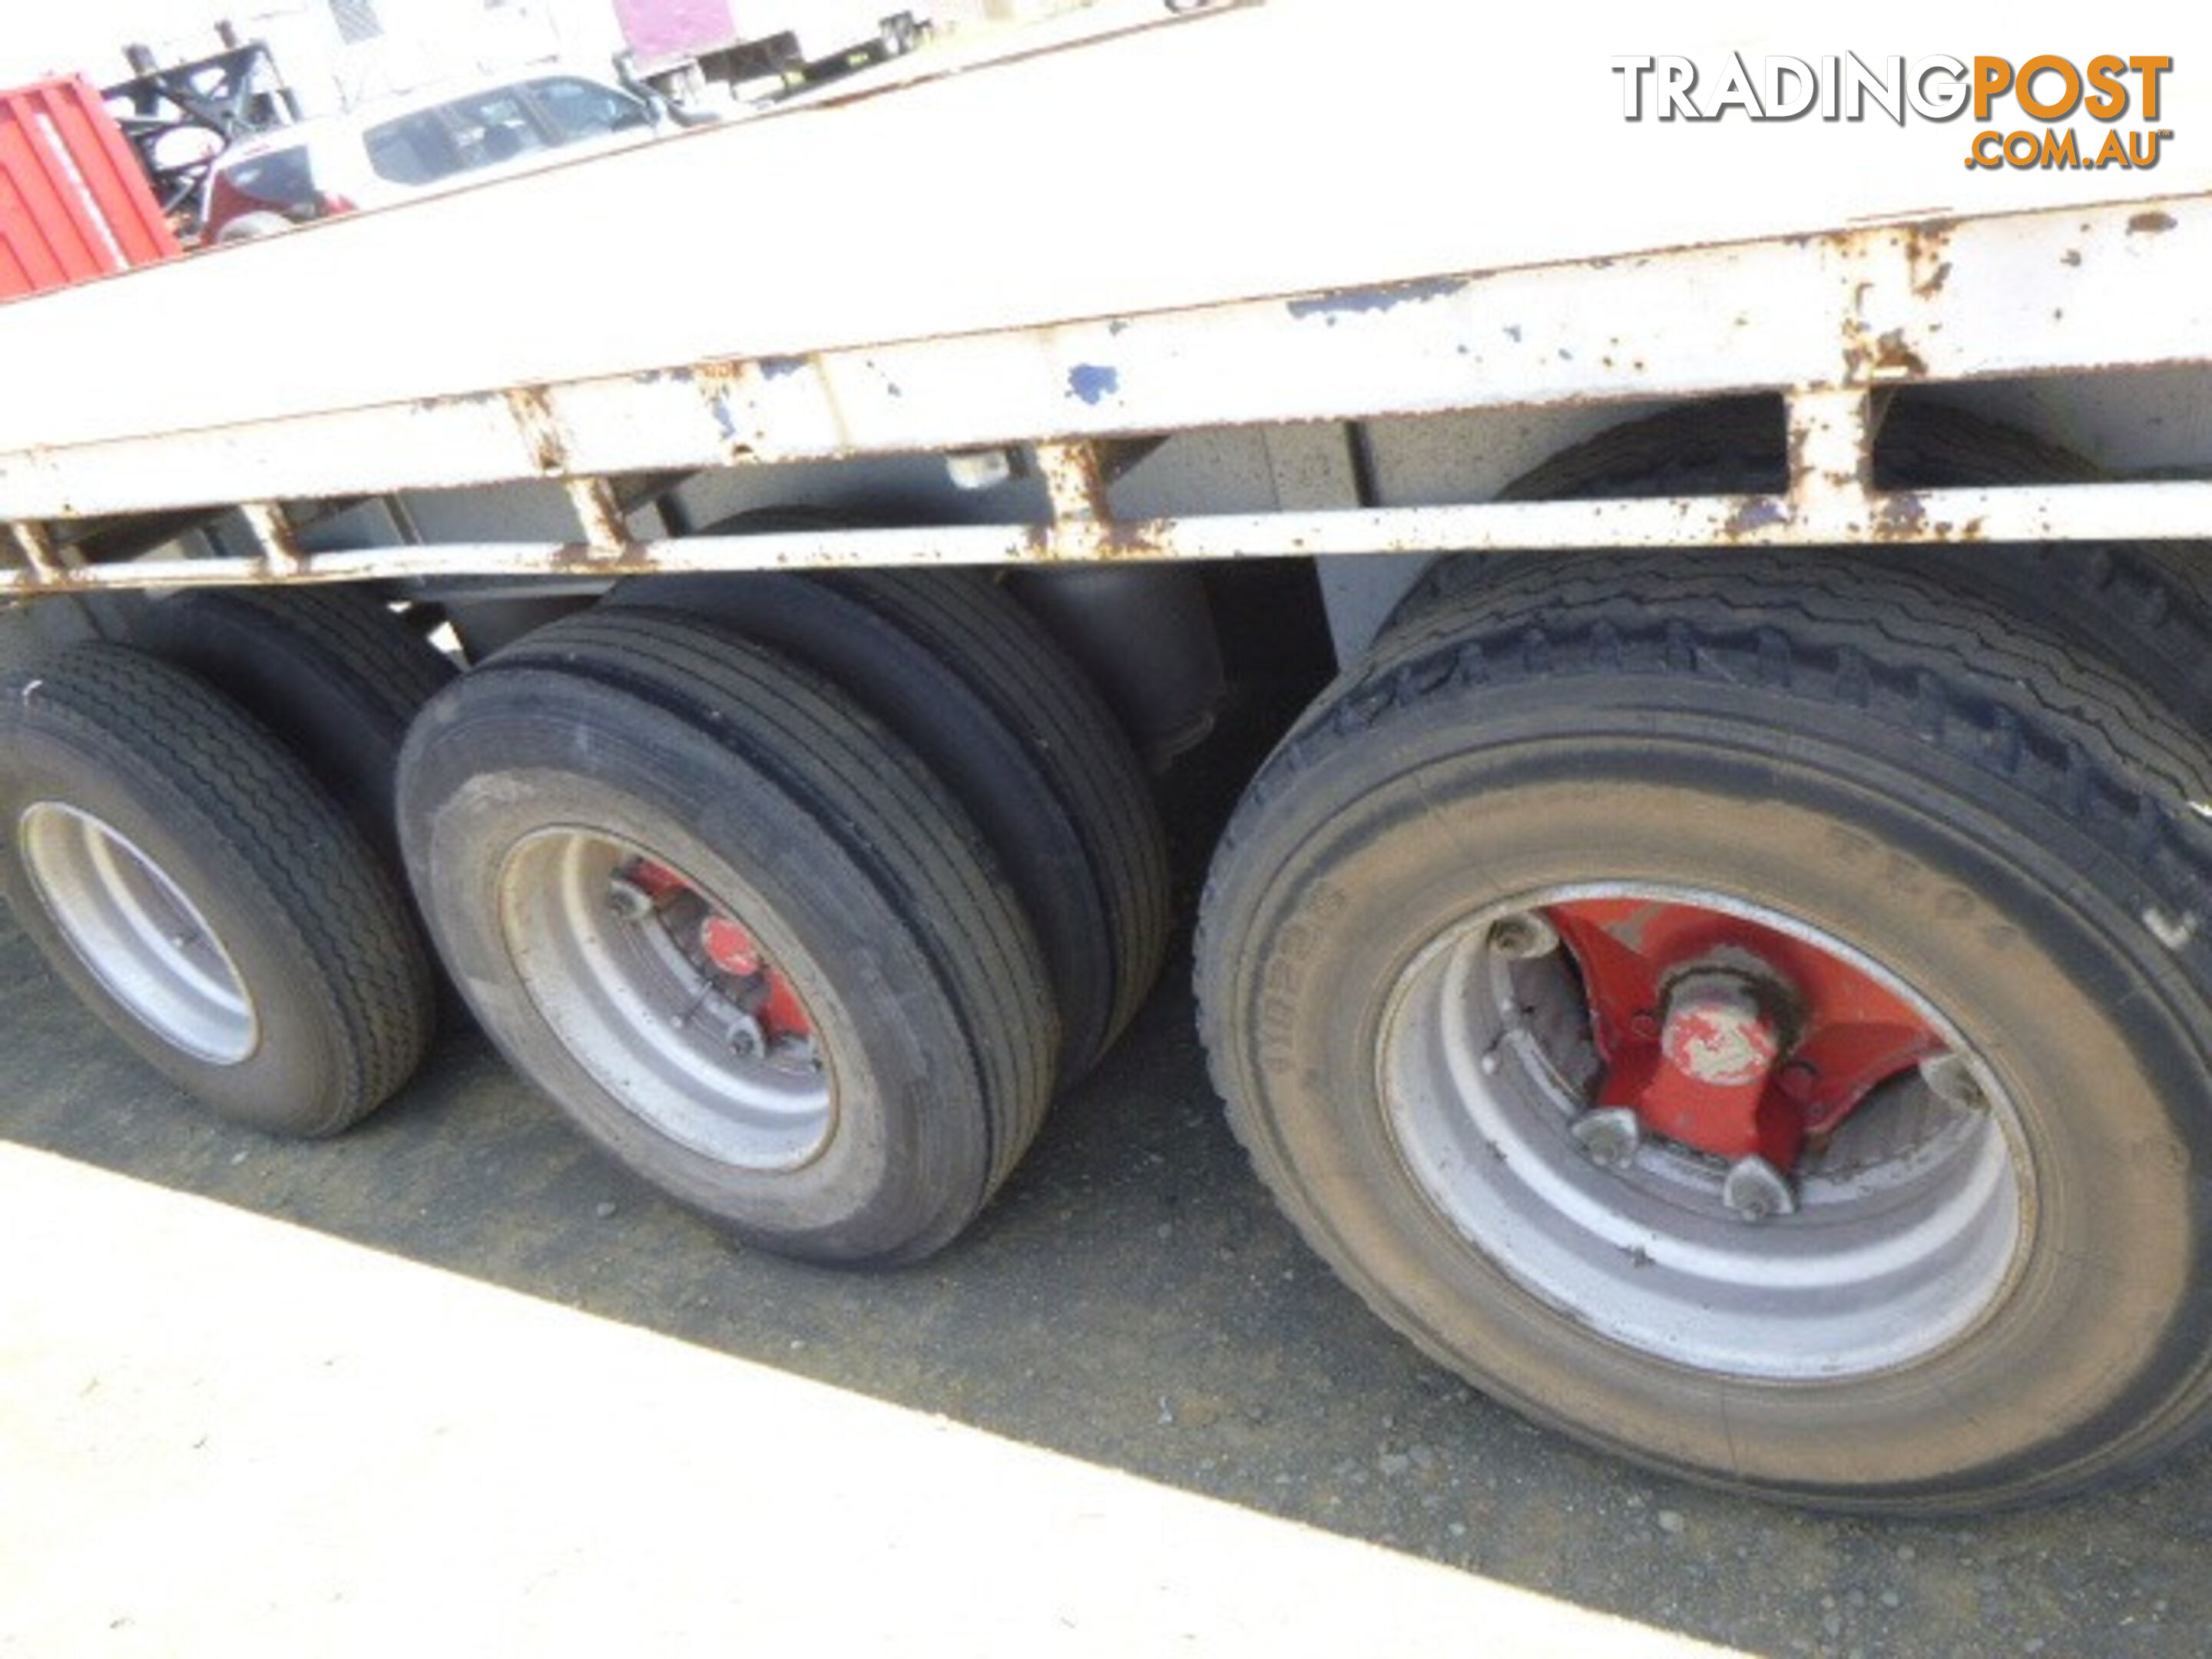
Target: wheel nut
(1609, 1136)
(1755, 1189)
(795, 1054)
(1522, 935)
(1951, 1079)
(628, 900)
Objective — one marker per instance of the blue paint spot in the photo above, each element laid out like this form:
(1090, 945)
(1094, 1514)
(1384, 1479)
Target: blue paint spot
(1353, 301)
(1756, 514)
(724, 418)
(1093, 381)
(776, 368)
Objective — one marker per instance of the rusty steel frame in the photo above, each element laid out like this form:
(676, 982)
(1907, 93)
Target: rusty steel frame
(1830, 321)
(2140, 512)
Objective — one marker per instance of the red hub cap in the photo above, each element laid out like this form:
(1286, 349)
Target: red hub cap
(1728, 1036)
(729, 948)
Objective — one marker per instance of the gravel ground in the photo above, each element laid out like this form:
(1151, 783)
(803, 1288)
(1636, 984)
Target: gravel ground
(1132, 1299)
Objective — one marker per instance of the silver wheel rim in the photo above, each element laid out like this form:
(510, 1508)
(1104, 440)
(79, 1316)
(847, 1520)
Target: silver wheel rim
(150, 947)
(1910, 1222)
(639, 1016)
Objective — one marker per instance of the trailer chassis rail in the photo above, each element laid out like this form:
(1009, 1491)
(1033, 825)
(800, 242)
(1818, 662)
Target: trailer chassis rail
(1833, 322)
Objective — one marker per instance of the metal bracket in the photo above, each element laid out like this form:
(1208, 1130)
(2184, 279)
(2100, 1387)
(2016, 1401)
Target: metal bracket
(598, 511)
(275, 536)
(1075, 480)
(1831, 451)
(33, 544)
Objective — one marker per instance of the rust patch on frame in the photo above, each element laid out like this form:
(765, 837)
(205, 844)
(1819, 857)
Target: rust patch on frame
(1089, 543)
(1926, 243)
(1894, 359)
(276, 537)
(606, 535)
(1075, 479)
(1147, 540)
(1076, 476)
(543, 440)
(2151, 224)
(1075, 482)
(1888, 357)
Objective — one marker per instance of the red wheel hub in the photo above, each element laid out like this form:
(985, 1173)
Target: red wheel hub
(730, 949)
(1728, 1036)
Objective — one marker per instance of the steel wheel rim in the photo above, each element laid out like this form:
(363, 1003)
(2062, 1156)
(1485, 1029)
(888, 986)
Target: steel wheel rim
(643, 1020)
(150, 947)
(1912, 1223)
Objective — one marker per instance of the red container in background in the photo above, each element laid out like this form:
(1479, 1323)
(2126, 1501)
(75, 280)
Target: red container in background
(74, 203)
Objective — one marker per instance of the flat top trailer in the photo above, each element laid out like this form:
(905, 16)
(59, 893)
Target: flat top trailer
(1726, 972)
(827, 312)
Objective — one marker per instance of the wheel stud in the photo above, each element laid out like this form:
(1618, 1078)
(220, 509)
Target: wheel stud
(1755, 1189)
(795, 1053)
(628, 899)
(1522, 935)
(1609, 1136)
(1952, 1080)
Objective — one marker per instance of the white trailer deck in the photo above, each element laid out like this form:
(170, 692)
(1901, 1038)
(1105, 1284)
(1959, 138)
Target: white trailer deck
(1119, 237)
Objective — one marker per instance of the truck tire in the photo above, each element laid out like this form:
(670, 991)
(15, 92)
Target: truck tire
(851, 1080)
(992, 705)
(204, 895)
(2148, 608)
(1990, 1290)
(331, 672)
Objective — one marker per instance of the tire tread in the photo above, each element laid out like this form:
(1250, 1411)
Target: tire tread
(1014, 665)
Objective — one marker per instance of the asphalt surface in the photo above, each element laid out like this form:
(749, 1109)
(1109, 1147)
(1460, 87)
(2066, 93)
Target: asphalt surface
(1133, 1300)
